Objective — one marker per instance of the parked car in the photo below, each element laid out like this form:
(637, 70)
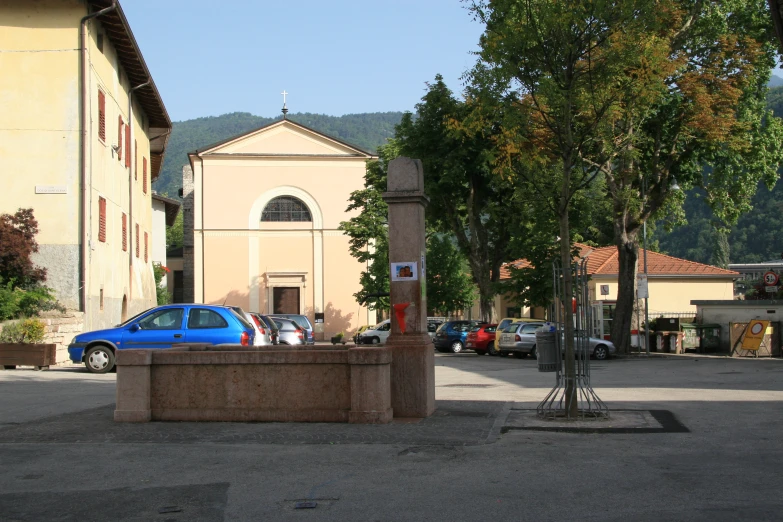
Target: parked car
(377, 334)
(519, 339)
(494, 349)
(290, 331)
(600, 349)
(451, 335)
(433, 325)
(159, 328)
(302, 321)
(265, 334)
(479, 338)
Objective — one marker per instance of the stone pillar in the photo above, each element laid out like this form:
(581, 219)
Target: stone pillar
(133, 386)
(188, 284)
(413, 358)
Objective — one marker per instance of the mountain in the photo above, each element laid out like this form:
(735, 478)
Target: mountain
(366, 131)
(775, 81)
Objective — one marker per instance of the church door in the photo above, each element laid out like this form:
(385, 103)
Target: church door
(286, 300)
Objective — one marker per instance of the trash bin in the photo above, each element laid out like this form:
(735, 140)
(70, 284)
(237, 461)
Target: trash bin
(709, 335)
(546, 351)
(691, 337)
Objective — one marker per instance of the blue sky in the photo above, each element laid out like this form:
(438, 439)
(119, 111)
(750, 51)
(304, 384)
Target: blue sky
(341, 57)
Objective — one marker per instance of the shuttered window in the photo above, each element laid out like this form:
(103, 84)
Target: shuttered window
(119, 139)
(101, 220)
(101, 116)
(135, 159)
(144, 174)
(124, 232)
(146, 246)
(127, 147)
(137, 240)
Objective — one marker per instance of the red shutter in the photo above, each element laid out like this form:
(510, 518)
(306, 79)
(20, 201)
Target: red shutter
(144, 173)
(101, 220)
(127, 146)
(119, 140)
(137, 240)
(124, 232)
(145, 247)
(101, 116)
(136, 160)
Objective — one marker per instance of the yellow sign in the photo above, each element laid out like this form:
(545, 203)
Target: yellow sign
(754, 334)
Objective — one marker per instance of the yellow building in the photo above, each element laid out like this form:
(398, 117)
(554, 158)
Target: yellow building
(264, 209)
(83, 131)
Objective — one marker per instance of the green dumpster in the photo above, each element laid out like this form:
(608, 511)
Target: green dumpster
(691, 336)
(710, 338)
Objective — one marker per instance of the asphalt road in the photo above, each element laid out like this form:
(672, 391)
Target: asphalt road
(63, 458)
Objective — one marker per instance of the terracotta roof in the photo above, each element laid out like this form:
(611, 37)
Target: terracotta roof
(603, 261)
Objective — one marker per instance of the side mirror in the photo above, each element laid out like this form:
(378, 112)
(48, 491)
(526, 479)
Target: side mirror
(134, 327)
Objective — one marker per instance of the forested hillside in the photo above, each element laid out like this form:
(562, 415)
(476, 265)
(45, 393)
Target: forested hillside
(757, 237)
(366, 131)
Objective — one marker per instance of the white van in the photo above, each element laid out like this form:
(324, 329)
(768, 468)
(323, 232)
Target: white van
(377, 334)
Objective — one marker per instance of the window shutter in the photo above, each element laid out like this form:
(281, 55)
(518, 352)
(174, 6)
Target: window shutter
(124, 232)
(101, 116)
(119, 141)
(101, 220)
(127, 147)
(144, 174)
(136, 159)
(145, 247)
(137, 240)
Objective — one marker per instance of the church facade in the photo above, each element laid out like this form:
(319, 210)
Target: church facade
(261, 215)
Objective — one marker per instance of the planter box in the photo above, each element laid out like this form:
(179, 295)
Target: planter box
(37, 355)
(259, 384)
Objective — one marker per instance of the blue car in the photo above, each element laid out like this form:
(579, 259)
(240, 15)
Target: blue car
(160, 328)
(451, 335)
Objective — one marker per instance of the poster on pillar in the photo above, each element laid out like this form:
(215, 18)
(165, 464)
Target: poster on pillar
(404, 271)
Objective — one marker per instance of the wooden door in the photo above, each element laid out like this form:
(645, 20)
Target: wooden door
(286, 300)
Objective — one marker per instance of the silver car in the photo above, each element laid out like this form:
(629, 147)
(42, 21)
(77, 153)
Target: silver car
(600, 349)
(519, 339)
(290, 332)
(266, 332)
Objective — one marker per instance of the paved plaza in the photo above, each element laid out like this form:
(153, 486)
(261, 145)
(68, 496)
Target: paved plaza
(690, 438)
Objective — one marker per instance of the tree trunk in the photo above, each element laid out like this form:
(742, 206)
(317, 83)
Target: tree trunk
(571, 398)
(628, 256)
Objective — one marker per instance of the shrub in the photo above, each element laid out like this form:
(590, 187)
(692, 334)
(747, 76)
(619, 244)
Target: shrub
(17, 244)
(18, 302)
(24, 331)
(162, 293)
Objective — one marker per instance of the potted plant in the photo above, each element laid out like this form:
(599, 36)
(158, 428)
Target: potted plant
(21, 345)
(339, 338)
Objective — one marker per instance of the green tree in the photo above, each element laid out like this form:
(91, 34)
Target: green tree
(449, 287)
(711, 114)
(174, 233)
(454, 141)
(570, 69)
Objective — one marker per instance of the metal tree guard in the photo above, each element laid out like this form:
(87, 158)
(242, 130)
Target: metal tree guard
(590, 406)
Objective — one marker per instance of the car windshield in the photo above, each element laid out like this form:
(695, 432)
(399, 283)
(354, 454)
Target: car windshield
(511, 328)
(476, 328)
(129, 321)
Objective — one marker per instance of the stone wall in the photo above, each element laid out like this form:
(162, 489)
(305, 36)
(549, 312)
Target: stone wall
(188, 288)
(59, 330)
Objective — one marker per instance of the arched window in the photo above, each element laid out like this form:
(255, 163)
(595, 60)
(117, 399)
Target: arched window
(286, 208)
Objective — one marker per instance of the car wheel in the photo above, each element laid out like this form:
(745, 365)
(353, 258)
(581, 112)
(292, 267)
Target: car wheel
(534, 352)
(492, 349)
(456, 347)
(520, 355)
(601, 352)
(99, 359)
(375, 340)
